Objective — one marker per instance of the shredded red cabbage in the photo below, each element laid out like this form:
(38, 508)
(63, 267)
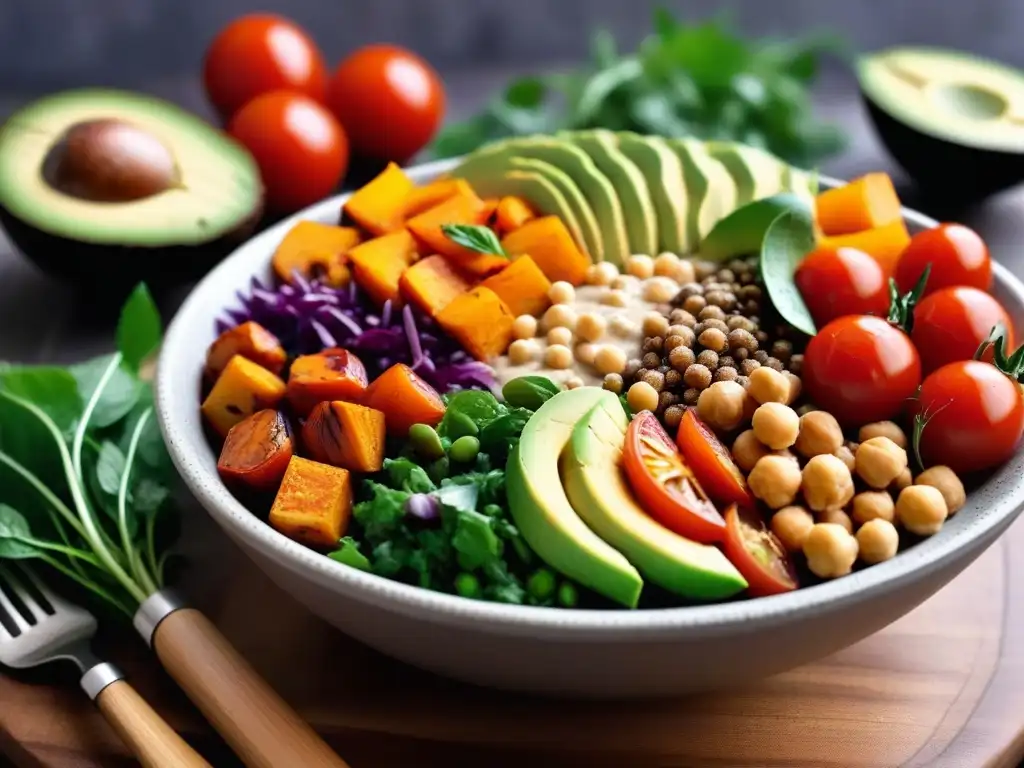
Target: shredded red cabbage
(308, 316)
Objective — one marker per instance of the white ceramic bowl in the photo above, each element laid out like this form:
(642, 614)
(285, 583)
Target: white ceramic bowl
(547, 650)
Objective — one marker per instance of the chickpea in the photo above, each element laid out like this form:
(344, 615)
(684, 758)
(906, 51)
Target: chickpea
(523, 351)
(750, 405)
(827, 483)
(685, 273)
(524, 327)
(721, 405)
(747, 450)
(883, 429)
(878, 540)
(574, 382)
(613, 297)
(602, 274)
(905, 479)
(921, 509)
(640, 265)
(949, 486)
(659, 290)
(791, 525)
(655, 324)
(562, 292)
(873, 505)
(666, 264)
(820, 433)
(561, 336)
(837, 516)
(622, 327)
(609, 359)
(681, 358)
(880, 461)
(713, 339)
(776, 425)
(591, 326)
(624, 283)
(642, 397)
(796, 386)
(831, 550)
(768, 386)
(775, 480)
(559, 316)
(585, 353)
(845, 455)
(558, 357)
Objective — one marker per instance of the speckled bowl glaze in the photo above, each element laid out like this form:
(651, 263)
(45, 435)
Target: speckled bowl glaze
(554, 651)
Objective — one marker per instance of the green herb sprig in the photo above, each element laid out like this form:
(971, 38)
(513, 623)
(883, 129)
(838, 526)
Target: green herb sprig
(476, 238)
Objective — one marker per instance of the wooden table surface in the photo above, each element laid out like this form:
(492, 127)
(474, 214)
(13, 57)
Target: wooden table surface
(944, 686)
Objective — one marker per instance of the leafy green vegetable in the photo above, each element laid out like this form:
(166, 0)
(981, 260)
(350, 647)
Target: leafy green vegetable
(349, 554)
(408, 476)
(789, 238)
(139, 328)
(475, 238)
(742, 232)
(699, 80)
(529, 392)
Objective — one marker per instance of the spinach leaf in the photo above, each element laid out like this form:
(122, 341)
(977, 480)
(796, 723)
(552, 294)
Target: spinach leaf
(742, 232)
(13, 530)
(139, 328)
(789, 238)
(382, 512)
(119, 397)
(475, 540)
(467, 412)
(110, 466)
(53, 390)
(408, 476)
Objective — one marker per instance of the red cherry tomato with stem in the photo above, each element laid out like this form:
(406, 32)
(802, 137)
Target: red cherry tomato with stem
(957, 254)
(711, 462)
(757, 554)
(301, 150)
(835, 282)
(389, 100)
(257, 54)
(950, 325)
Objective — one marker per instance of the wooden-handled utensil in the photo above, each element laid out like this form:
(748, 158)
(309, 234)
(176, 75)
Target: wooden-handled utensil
(263, 730)
(37, 626)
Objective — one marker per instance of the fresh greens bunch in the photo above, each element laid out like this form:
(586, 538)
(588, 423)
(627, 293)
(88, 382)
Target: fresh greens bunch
(700, 80)
(84, 475)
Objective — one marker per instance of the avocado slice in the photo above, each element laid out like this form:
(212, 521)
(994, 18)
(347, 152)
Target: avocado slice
(591, 467)
(664, 173)
(953, 120)
(711, 190)
(184, 194)
(495, 159)
(542, 511)
(757, 174)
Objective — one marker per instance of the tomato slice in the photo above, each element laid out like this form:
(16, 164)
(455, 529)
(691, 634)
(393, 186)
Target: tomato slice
(665, 484)
(712, 462)
(757, 554)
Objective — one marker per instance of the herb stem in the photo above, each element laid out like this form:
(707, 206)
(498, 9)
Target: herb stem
(135, 562)
(49, 496)
(73, 552)
(154, 567)
(87, 583)
(83, 423)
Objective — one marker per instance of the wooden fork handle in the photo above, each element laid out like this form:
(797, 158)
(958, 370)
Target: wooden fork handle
(152, 740)
(258, 725)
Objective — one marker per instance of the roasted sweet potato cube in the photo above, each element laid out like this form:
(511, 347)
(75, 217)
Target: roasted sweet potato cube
(256, 451)
(434, 193)
(333, 374)
(479, 321)
(250, 340)
(345, 435)
(242, 388)
(463, 208)
(405, 399)
(522, 286)
(511, 214)
(379, 206)
(431, 283)
(315, 251)
(548, 242)
(378, 264)
(314, 504)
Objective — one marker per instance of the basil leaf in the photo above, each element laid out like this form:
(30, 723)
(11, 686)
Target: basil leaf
(742, 232)
(139, 329)
(110, 468)
(52, 389)
(789, 238)
(118, 397)
(475, 238)
(13, 528)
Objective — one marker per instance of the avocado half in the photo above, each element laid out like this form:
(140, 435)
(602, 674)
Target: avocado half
(104, 188)
(955, 122)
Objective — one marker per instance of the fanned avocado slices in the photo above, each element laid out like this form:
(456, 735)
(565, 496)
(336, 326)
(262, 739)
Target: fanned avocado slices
(664, 173)
(757, 174)
(710, 188)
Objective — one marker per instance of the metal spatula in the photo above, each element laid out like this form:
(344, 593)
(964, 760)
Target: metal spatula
(37, 626)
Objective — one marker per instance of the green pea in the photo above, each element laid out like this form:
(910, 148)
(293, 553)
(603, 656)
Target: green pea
(541, 585)
(465, 449)
(467, 585)
(438, 470)
(460, 425)
(425, 441)
(567, 595)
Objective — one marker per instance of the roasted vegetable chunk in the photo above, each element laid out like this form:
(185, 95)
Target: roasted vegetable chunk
(256, 451)
(315, 250)
(333, 374)
(345, 435)
(250, 340)
(314, 504)
(242, 388)
(405, 399)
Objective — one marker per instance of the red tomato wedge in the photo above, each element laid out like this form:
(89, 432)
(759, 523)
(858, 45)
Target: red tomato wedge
(757, 554)
(665, 484)
(712, 462)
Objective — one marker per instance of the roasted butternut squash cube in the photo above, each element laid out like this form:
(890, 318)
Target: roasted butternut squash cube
(431, 283)
(511, 214)
(548, 242)
(345, 435)
(480, 321)
(314, 504)
(462, 208)
(379, 206)
(332, 374)
(522, 286)
(434, 193)
(256, 451)
(242, 388)
(250, 340)
(315, 251)
(378, 265)
(405, 399)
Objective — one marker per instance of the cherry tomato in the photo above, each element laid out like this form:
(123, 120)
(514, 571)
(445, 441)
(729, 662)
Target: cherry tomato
(951, 324)
(301, 150)
(974, 416)
(259, 53)
(389, 100)
(957, 254)
(711, 462)
(861, 369)
(842, 281)
(757, 554)
(665, 485)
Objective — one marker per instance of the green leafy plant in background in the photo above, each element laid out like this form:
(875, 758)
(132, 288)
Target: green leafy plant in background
(700, 80)
(84, 475)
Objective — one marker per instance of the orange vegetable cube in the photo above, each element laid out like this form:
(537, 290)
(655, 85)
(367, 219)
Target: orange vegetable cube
(345, 435)
(378, 264)
(522, 286)
(512, 213)
(314, 503)
(379, 206)
(256, 451)
(884, 244)
(250, 340)
(315, 250)
(458, 209)
(865, 203)
(434, 193)
(480, 321)
(549, 243)
(242, 388)
(405, 399)
(333, 374)
(431, 283)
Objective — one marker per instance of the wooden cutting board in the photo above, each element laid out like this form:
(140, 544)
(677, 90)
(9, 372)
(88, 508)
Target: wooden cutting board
(944, 686)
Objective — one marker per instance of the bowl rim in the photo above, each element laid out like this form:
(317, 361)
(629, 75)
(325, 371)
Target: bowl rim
(180, 422)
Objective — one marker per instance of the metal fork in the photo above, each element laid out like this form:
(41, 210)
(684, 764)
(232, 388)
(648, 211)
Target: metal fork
(38, 626)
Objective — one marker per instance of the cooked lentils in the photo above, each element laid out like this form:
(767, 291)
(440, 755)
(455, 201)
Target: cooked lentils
(716, 332)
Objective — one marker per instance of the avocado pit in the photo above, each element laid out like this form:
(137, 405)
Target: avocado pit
(110, 161)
